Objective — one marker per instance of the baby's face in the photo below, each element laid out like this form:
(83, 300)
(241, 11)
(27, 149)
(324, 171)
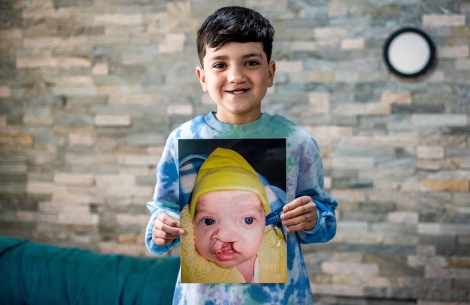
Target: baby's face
(229, 227)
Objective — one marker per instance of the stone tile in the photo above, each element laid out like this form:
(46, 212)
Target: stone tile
(139, 159)
(388, 98)
(439, 20)
(53, 62)
(173, 43)
(100, 69)
(446, 185)
(11, 34)
(126, 219)
(389, 292)
(349, 195)
(185, 110)
(74, 179)
(443, 229)
(453, 52)
(103, 120)
(86, 140)
(422, 261)
(329, 33)
(5, 92)
(422, 120)
(321, 76)
(462, 64)
(336, 289)
(363, 239)
(144, 139)
(24, 140)
(357, 43)
(423, 302)
(82, 91)
(289, 66)
(403, 217)
(430, 152)
(442, 295)
(347, 76)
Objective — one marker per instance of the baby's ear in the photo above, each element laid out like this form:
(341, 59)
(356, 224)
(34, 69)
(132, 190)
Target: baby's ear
(200, 73)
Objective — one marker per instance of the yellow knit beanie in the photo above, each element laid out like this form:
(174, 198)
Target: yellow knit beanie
(226, 170)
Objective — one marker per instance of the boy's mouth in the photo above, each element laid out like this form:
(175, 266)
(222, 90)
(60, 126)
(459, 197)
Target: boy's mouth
(237, 91)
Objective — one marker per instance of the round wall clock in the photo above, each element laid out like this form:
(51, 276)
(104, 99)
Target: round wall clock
(409, 53)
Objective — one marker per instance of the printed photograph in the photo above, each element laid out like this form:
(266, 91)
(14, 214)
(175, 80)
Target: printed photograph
(231, 195)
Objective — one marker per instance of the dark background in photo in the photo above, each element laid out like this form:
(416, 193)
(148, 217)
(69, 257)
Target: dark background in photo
(266, 156)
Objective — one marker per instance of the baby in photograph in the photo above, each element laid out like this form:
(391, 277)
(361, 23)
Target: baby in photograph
(227, 238)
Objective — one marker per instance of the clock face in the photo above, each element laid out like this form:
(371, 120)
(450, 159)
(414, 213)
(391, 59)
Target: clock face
(409, 53)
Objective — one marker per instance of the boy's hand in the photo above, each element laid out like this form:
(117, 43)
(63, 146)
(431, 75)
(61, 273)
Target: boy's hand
(300, 214)
(165, 230)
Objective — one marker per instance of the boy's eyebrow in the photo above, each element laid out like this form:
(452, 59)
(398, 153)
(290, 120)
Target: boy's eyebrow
(224, 57)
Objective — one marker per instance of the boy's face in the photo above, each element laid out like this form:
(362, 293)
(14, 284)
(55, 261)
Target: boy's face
(229, 227)
(237, 77)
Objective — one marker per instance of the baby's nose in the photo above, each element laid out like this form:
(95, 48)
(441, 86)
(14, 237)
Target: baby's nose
(225, 234)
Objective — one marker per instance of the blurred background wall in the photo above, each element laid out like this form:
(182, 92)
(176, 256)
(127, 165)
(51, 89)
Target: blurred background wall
(90, 89)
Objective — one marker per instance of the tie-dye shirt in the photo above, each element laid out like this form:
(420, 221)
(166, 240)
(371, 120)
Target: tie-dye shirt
(304, 177)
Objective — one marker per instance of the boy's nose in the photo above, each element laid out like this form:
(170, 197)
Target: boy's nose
(236, 75)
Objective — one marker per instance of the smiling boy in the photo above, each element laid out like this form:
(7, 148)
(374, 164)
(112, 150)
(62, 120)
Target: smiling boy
(237, 77)
(234, 48)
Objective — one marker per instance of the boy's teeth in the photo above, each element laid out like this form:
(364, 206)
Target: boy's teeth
(237, 91)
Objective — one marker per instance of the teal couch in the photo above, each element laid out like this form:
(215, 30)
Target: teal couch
(33, 273)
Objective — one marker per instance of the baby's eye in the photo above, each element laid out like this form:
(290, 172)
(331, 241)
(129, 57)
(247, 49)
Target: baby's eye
(248, 220)
(208, 222)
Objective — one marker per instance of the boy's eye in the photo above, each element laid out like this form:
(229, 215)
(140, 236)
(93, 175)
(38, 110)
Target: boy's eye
(218, 66)
(252, 63)
(248, 220)
(208, 222)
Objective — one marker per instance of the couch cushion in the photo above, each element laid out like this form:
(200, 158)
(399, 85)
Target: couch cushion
(33, 273)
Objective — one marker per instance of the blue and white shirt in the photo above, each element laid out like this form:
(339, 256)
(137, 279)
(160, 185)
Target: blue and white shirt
(304, 178)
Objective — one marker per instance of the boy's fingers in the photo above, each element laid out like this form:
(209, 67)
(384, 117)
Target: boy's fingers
(175, 231)
(158, 233)
(169, 225)
(298, 207)
(304, 218)
(161, 241)
(296, 203)
(299, 227)
(168, 220)
(302, 210)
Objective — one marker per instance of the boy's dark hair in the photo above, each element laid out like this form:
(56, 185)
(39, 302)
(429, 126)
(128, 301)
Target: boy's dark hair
(234, 24)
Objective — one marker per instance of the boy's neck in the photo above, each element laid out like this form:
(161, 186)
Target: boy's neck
(240, 119)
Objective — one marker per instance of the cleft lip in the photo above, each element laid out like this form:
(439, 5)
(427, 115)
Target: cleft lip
(222, 247)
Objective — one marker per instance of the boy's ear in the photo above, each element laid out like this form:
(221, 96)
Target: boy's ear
(202, 77)
(272, 70)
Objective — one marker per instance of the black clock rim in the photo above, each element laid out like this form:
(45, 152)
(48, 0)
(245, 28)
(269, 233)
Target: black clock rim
(432, 52)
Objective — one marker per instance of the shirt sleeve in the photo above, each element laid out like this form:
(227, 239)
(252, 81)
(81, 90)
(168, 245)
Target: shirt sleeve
(310, 183)
(165, 198)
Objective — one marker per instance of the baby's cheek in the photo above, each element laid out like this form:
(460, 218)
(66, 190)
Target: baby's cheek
(198, 235)
(255, 235)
